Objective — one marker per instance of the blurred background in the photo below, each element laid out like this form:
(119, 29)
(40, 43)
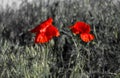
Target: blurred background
(16, 3)
(66, 56)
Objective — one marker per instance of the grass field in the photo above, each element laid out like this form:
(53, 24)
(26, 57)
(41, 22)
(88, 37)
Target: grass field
(66, 56)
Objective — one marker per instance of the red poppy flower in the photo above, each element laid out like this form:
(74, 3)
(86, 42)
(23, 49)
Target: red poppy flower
(43, 37)
(42, 27)
(86, 37)
(45, 31)
(83, 29)
(80, 27)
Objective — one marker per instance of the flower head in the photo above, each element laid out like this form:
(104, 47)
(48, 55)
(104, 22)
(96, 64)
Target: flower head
(83, 29)
(80, 27)
(45, 31)
(86, 37)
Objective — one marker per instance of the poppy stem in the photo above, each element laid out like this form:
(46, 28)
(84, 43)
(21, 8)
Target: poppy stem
(66, 33)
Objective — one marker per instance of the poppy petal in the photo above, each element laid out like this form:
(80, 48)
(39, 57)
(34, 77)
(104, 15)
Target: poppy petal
(86, 37)
(41, 38)
(80, 27)
(74, 29)
(52, 31)
(42, 27)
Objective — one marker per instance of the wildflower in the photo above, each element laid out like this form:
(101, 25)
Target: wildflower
(45, 31)
(86, 37)
(80, 27)
(83, 30)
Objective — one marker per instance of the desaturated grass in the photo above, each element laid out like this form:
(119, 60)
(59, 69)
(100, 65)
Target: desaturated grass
(66, 56)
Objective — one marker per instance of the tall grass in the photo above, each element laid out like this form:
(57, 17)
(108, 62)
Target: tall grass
(66, 56)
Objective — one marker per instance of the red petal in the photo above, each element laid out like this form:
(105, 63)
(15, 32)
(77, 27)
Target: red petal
(74, 29)
(52, 31)
(42, 27)
(86, 37)
(41, 38)
(80, 27)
